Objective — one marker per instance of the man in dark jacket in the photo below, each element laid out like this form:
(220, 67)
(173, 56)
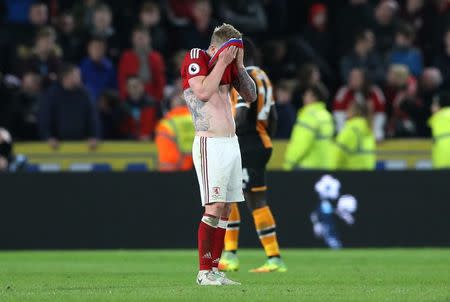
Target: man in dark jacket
(364, 56)
(66, 112)
(442, 61)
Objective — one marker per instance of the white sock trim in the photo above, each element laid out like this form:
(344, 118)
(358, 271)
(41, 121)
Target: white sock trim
(222, 224)
(211, 221)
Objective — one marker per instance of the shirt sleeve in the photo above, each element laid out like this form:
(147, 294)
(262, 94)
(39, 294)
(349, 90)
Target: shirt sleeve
(195, 64)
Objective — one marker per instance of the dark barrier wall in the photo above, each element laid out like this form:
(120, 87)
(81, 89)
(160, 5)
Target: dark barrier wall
(150, 210)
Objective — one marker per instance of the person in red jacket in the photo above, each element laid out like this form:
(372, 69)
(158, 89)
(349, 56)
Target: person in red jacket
(140, 111)
(360, 89)
(143, 62)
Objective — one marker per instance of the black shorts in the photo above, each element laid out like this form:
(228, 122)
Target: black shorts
(254, 161)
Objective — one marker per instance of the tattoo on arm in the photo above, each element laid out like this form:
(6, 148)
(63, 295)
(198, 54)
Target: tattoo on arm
(245, 85)
(199, 116)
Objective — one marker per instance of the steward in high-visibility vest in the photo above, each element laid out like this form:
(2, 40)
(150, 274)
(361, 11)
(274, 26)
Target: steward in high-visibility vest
(355, 144)
(440, 128)
(311, 139)
(174, 137)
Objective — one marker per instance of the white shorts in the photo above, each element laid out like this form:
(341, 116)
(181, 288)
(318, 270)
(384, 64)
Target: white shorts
(217, 161)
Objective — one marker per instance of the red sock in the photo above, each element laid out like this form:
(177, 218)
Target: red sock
(206, 231)
(219, 241)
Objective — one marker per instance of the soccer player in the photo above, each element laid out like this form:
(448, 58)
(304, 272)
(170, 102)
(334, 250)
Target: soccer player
(208, 76)
(255, 124)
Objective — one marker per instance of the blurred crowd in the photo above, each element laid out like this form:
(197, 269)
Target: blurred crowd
(93, 69)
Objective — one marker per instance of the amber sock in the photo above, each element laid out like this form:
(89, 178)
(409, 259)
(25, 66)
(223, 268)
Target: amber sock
(232, 234)
(266, 229)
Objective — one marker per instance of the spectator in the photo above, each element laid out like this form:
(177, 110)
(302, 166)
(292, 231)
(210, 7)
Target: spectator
(247, 15)
(277, 17)
(70, 40)
(359, 89)
(84, 11)
(38, 14)
(66, 111)
(44, 58)
(414, 13)
(385, 25)
(285, 110)
(176, 63)
(429, 86)
(309, 75)
(404, 52)
(25, 105)
(317, 33)
(102, 28)
(140, 111)
(144, 62)
(16, 11)
(111, 115)
(180, 12)
(150, 18)
(442, 61)
(281, 59)
(198, 32)
(364, 56)
(97, 71)
(351, 18)
(173, 89)
(437, 23)
(23, 35)
(6, 100)
(402, 102)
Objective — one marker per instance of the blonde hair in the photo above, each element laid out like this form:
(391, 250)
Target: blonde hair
(223, 33)
(400, 71)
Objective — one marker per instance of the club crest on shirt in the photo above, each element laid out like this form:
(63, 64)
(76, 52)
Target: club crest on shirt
(193, 68)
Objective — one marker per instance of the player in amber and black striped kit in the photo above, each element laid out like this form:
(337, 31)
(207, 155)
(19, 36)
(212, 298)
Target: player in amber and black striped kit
(255, 124)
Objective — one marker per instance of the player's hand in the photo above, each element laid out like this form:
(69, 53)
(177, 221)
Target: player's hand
(228, 55)
(240, 58)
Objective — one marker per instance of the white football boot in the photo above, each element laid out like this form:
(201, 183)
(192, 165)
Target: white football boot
(223, 279)
(207, 278)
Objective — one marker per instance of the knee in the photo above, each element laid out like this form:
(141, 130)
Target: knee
(226, 210)
(255, 200)
(216, 209)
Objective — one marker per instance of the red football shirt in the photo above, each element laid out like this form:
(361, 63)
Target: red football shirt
(195, 64)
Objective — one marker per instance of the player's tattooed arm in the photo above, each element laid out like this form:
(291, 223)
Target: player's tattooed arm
(245, 85)
(199, 116)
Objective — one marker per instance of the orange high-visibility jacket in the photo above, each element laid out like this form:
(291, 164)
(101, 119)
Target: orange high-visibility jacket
(174, 136)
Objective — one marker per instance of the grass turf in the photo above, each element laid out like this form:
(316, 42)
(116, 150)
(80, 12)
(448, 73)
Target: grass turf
(314, 275)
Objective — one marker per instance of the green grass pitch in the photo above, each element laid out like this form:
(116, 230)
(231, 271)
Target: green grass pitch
(162, 275)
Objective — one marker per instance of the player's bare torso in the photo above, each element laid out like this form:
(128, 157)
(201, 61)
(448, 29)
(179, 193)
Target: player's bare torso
(213, 118)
